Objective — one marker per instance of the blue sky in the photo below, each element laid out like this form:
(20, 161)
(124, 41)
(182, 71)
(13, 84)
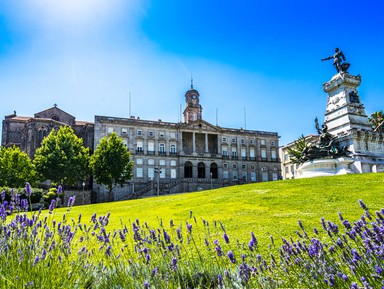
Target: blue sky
(257, 63)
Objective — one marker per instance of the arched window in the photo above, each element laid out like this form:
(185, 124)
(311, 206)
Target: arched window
(42, 132)
(213, 171)
(188, 170)
(201, 170)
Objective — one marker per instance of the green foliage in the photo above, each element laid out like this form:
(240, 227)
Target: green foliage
(296, 152)
(36, 193)
(16, 167)
(62, 158)
(377, 119)
(49, 196)
(110, 163)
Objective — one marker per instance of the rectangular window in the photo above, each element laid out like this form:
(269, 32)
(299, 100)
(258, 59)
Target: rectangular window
(162, 173)
(235, 175)
(110, 129)
(139, 161)
(263, 153)
(234, 153)
(151, 162)
(274, 176)
(242, 141)
(150, 133)
(151, 173)
(162, 134)
(253, 177)
(251, 141)
(273, 154)
(139, 147)
(161, 162)
(225, 175)
(173, 163)
(252, 153)
(124, 131)
(262, 142)
(139, 172)
(125, 143)
(139, 132)
(224, 139)
(243, 152)
(172, 135)
(151, 146)
(272, 143)
(233, 140)
(173, 173)
(244, 176)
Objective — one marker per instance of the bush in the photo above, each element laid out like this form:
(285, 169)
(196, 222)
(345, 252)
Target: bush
(36, 194)
(52, 194)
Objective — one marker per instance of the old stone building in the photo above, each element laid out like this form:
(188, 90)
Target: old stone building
(27, 132)
(191, 155)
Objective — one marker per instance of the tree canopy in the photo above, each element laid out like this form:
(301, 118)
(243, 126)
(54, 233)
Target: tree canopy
(377, 120)
(16, 168)
(296, 152)
(110, 163)
(62, 158)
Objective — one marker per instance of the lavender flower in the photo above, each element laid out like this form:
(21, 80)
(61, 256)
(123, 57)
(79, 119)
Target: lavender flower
(189, 228)
(52, 206)
(146, 285)
(362, 205)
(71, 201)
(59, 189)
(231, 257)
(174, 264)
(3, 195)
(28, 189)
(226, 238)
(24, 204)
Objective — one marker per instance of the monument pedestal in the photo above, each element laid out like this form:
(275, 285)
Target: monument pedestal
(325, 167)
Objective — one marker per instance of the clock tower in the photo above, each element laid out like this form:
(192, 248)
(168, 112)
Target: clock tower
(193, 109)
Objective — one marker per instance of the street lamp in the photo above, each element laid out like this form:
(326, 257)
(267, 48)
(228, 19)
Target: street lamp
(83, 192)
(158, 172)
(210, 175)
(151, 186)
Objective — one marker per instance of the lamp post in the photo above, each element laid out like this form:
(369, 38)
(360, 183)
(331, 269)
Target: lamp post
(151, 186)
(83, 192)
(210, 176)
(158, 172)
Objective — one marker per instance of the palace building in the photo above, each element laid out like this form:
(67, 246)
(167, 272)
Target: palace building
(191, 155)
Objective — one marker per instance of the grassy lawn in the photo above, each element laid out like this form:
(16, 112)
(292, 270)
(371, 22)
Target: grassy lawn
(270, 208)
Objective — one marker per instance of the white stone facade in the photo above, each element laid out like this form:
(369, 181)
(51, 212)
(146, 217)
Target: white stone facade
(193, 155)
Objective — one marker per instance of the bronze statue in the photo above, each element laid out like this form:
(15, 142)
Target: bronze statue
(326, 147)
(338, 59)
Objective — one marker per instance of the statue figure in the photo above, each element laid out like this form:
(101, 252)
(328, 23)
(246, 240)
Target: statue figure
(326, 147)
(338, 59)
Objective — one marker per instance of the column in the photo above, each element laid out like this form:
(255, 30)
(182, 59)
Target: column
(193, 143)
(206, 143)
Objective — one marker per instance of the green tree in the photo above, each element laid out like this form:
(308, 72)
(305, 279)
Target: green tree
(62, 158)
(377, 120)
(296, 152)
(16, 168)
(110, 163)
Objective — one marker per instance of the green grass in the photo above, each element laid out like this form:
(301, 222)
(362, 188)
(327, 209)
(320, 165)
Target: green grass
(270, 208)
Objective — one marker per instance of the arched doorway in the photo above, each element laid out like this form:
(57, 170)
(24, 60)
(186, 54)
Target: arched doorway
(188, 170)
(201, 170)
(213, 170)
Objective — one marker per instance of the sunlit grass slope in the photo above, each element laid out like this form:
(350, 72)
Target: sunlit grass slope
(270, 208)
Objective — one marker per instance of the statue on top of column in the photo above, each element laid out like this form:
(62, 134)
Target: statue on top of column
(339, 61)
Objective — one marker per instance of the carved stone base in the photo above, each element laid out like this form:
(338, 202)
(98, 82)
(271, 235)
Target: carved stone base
(325, 167)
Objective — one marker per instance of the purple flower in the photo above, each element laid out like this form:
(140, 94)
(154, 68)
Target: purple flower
(226, 238)
(189, 228)
(174, 263)
(24, 204)
(59, 189)
(146, 285)
(28, 189)
(52, 206)
(2, 195)
(148, 258)
(362, 205)
(154, 271)
(71, 201)
(378, 270)
(231, 257)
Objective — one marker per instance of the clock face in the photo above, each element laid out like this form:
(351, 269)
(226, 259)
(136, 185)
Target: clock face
(193, 96)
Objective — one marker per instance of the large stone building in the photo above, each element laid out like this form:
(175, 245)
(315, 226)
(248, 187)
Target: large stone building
(27, 132)
(191, 155)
